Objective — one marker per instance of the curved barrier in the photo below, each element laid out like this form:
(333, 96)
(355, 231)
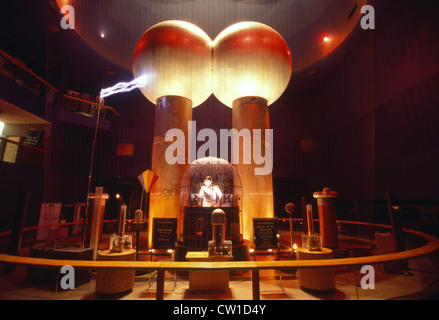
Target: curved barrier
(430, 247)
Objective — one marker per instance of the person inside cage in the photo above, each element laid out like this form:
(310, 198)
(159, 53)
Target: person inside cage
(209, 195)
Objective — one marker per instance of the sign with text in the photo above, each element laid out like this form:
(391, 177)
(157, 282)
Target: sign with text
(164, 233)
(265, 233)
(49, 215)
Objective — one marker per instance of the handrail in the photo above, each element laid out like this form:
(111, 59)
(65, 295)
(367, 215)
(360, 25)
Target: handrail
(61, 225)
(131, 220)
(11, 59)
(5, 233)
(431, 246)
(22, 144)
(33, 74)
(92, 103)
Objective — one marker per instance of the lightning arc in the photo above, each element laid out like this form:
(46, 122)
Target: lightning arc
(124, 86)
(117, 88)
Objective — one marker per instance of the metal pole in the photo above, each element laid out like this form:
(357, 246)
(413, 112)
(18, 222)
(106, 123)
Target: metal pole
(255, 284)
(137, 240)
(394, 221)
(292, 233)
(305, 221)
(355, 280)
(91, 171)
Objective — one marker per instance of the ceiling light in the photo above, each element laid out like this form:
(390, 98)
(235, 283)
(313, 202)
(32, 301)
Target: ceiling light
(102, 35)
(326, 39)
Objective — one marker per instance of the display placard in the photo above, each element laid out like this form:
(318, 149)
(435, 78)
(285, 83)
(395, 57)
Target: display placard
(49, 215)
(164, 233)
(265, 233)
(34, 137)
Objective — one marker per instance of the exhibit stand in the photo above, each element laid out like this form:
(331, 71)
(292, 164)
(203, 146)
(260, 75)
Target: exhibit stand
(115, 281)
(321, 279)
(207, 279)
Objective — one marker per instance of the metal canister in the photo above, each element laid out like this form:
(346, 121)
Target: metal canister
(327, 217)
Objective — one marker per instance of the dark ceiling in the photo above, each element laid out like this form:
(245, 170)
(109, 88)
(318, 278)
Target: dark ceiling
(30, 30)
(303, 24)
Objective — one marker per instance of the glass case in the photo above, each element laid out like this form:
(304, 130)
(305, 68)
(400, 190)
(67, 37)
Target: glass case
(207, 184)
(210, 182)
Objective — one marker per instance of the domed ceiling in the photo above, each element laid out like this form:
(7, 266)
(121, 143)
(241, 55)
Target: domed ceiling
(113, 27)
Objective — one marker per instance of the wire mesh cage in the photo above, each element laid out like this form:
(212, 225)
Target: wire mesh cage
(207, 184)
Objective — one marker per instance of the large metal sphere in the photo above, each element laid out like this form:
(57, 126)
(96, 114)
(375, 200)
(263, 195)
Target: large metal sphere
(175, 58)
(250, 60)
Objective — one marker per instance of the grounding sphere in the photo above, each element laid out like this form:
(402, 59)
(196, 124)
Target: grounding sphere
(250, 60)
(174, 57)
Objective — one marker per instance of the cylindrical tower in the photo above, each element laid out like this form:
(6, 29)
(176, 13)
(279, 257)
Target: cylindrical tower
(175, 59)
(252, 68)
(327, 217)
(252, 113)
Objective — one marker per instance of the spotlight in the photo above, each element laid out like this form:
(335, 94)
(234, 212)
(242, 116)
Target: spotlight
(326, 39)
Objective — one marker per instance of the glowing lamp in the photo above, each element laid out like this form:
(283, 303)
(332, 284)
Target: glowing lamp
(250, 60)
(174, 57)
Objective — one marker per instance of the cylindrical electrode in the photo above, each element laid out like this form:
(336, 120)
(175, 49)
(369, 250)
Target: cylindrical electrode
(218, 226)
(327, 218)
(250, 115)
(309, 219)
(122, 217)
(172, 112)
